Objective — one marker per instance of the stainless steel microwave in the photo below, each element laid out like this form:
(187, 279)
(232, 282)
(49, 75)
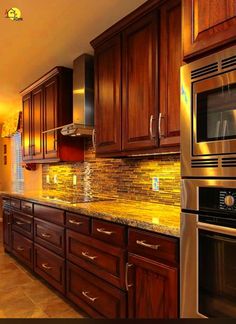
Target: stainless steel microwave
(208, 116)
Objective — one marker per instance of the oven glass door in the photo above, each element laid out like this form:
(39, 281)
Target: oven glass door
(214, 115)
(216, 274)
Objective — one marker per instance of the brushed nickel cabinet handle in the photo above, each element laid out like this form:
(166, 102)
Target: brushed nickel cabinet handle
(127, 266)
(90, 257)
(26, 207)
(103, 231)
(161, 135)
(45, 266)
(45, 235)
(94, 138)
(20, 248)
(85, 294)
(72, 221)
(19, 223)
(150, 246)
(152, 136)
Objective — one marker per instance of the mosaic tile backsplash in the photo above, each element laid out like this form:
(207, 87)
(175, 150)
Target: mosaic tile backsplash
(126, 178)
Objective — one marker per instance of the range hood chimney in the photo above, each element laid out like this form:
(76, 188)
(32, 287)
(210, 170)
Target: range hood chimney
(83, 98)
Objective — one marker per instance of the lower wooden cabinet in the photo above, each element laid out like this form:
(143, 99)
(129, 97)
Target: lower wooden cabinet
(50, 266)
(22, 248)
(152, 289)
(7, 229)
(95, 296)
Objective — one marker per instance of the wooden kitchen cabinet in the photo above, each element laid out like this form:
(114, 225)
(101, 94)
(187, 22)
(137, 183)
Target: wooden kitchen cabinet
(169, 73)
(138, 111)
(153, 288)
(47, 104)
(108, 96)
(7, 229)
(207, 25)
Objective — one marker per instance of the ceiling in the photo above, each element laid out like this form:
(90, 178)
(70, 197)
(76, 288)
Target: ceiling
(51, 33)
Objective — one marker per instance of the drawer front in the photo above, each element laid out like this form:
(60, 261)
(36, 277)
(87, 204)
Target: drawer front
(15, 203)
(100, 258)
(50, 266)
(78, 223)
(22, 224)
(153, 245)
(94, 295)
(50, 214)
(109, 232)
(27, 207)
(6, 202)
(50, 236)
(22, 248)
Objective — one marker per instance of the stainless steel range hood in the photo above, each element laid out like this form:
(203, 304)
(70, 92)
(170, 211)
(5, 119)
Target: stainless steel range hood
(83, 98)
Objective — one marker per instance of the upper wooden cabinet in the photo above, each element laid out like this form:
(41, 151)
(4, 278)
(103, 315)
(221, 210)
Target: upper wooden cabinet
(137, 97)
(207, 25)
(47, 104)
(108, 96)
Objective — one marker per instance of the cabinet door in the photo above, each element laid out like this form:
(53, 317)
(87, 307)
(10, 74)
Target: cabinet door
(139, 95)
(26, 135)
(7, 229)
(153, 289)
(50, 117)
(207, 24)
(169, 77)
(108, 96)
(37, 123)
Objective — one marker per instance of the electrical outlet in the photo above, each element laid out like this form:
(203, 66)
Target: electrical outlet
(55, 179)
(47, 179)
(74, 179)
(155, 184)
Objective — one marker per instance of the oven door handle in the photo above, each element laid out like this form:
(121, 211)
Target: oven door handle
(217, 228)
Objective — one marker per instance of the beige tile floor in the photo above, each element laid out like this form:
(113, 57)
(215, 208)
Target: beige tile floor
(24, 296)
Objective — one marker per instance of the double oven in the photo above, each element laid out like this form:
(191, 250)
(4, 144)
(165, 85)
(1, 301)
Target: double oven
(208, 170)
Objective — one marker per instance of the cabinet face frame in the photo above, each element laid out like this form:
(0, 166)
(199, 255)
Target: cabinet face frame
(37, 111)
(27, 132)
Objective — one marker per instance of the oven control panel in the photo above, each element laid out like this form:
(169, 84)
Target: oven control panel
(217, 199)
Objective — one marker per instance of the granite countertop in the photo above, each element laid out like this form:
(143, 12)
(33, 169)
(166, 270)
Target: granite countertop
(155, 217)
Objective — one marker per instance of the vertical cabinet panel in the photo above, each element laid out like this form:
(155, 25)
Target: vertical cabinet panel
(108, 96)
(170, 62)
(50, 117)
(207, 25)
(26, 135)
(153, 289)
(7, 229)
(140, 84)
(37, 123)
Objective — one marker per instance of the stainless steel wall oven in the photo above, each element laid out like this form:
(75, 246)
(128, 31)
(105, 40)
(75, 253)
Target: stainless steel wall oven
(208, 116)
(208, 248)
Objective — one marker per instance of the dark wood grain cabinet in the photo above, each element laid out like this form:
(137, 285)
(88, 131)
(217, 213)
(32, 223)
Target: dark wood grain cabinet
(137, 88)
(7, 223)
(108, 96)
(152, 291)
(47, 104)
(207, 25)
(109, 270)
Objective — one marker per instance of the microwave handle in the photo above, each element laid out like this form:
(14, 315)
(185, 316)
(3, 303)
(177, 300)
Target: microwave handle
(218, 129)
(217, 228)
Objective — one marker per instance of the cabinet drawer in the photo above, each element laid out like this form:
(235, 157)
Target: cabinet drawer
(27, 207)
(6, 202)
(22, 248)
(50, 214)
(50, 266)
(50, 236)
(15, 203)
(22, 224)
(153, 245)
(109, 232)
(95, 296)
(78, 223)
(102, 259)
